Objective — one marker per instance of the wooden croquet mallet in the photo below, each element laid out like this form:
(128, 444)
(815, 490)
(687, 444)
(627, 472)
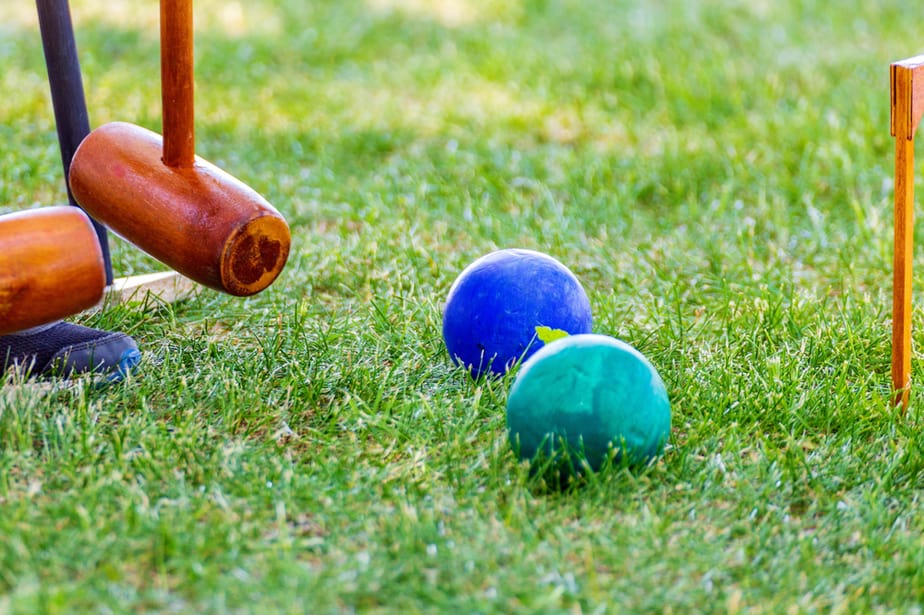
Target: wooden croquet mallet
(907, 89)
(156, 193)
(51, 266)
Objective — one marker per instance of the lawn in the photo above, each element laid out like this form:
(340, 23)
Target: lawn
(717, 174)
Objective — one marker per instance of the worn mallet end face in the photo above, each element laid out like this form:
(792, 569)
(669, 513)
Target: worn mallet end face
(255, 256)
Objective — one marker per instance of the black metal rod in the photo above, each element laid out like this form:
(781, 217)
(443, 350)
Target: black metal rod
(67, 95)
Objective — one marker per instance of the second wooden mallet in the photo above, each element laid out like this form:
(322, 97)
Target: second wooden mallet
(51, 266)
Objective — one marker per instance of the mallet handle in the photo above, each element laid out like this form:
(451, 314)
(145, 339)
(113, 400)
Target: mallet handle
(176, 75)
(51, 266)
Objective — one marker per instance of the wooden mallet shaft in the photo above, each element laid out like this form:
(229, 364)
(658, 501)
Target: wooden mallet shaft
(907, 90)
(177, 82)
(51, 266)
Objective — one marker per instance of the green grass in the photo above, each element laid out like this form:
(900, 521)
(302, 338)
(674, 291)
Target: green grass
(716, 173)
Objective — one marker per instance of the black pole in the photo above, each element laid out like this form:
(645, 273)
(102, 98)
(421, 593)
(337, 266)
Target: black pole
(67, 95)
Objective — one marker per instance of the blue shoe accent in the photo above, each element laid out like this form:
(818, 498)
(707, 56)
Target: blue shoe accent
(127, 362)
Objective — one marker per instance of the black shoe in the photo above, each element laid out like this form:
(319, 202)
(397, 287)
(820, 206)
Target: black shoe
(63, 349)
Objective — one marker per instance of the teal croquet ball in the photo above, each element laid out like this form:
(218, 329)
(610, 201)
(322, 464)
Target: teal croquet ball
(506, 305)
(583, 399)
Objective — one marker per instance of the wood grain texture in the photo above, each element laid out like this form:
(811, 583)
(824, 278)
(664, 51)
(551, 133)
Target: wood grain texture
(177, 82)
(907, 94)
(908, 118)
(51, 266)
(199, 220)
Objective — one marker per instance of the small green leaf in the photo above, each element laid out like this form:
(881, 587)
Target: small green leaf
(548, 334)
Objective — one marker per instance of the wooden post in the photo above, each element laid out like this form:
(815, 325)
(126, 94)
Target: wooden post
(907, 89)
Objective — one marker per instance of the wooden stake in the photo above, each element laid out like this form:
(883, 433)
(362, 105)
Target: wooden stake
(907, 89)
(164, 286)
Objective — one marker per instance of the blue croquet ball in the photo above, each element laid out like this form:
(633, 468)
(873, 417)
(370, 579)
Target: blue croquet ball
(507, 305)
(585, 399)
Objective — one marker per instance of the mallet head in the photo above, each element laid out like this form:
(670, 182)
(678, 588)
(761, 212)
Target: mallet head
(199, 220)
(51, 266)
